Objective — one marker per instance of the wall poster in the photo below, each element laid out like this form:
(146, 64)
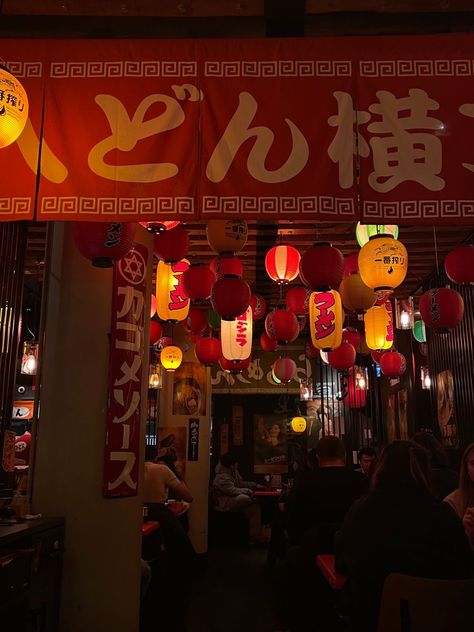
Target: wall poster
(270, 445)
(189, 389)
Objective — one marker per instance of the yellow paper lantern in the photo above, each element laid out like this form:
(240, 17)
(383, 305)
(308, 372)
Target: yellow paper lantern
(355, 295)
(378, 327)
(13, 108)
(172, 304)
(383, 263)
(298, 424)
(227, 235)
(325, 319)
(236, 336)
(171, 357)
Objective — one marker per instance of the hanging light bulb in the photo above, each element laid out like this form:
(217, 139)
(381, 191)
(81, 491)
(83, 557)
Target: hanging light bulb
(29, 359)
(361, 378)
(404, 313)
(154, 378)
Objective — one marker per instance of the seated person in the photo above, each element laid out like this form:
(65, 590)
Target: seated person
(443, 479)
(461, 500)
(231, 493)
(367, 458)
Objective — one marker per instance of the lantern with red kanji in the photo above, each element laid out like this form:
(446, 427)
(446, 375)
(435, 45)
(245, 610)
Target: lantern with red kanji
(159, 227)
(258, 305)
(196, 320)
(282, 263)
(197, 281)
(322, 267)
(459, 264)
(393, 364)
(351, 264)
(226, 264)
(282, 325)
(355, 295)
(267, 343)
(297, 299)
(236, 336)
(343, 357)
(208, 350)
(156, 331)
(441, 309)
(226, 235)
(103, 242)
(379, 327)
(171, 245)
(284, 369)
(325, 320)
(230, 296)
(234, 367)
(172, 303)
(351, 335)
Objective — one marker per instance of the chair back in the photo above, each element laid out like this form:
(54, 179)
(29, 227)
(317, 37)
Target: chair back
(418, 604)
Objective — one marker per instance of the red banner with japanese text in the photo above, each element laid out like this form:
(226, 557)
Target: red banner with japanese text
(330, 129)
(123, 439)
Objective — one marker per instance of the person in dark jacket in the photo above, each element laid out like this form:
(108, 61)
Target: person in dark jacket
(443, 480)
(399, 527)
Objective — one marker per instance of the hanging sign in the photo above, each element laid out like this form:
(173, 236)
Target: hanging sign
(193, 439)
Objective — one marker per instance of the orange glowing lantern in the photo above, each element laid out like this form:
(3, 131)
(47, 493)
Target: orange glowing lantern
(383, 263)
(171, 358)
(171, 301)
(14, 108)
(378, 327)
(325, 319)
(236, 336)
(227, 235)
(355, 295)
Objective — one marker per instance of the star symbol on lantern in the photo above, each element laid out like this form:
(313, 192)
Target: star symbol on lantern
(133, 267)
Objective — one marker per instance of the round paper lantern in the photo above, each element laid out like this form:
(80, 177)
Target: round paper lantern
(282, 263)
(258, 305)
(103, 242)
(298, 424)
(393, 364)
(376, 355)
(236, 336)
(383, 263)
(322, 267)
(226, 264)
(459, 264)
(156, 331)
(226, 235)
(208, 350)
(153, 306)
(171, 301)
(364, 232)
(441, 308)
(356, 397)
(196, 320)
(297, 299)
(13, 108)
(230, 296)
(234, 367)
(171, 245)
(419, 331)
(351, 335)
(285, 369)
(355, 295)
(267, 343)
(378, 327)
(351, 264)
(213, 319)
(171, 357)
(325, 320)
(197, 281)
(158, 227)
(343, 357)
(282, 325)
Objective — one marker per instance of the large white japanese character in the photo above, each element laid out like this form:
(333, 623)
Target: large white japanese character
(468, 110)
(346, 142)
(405, 153)
(133, 337)
(132, 408)
(132, 300)
(129, 373)
(124, 477)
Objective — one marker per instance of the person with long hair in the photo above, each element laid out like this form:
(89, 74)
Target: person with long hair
(398, 527)
(462, 498)
(443, 479)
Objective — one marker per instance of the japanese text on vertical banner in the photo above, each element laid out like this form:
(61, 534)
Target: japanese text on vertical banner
(193, 439)
(122, 445)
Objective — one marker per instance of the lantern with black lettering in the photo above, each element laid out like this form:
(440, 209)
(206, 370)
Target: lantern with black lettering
(378, 327)
(103, 242)
(171, 357)
(325, 319)
(226, 235)
(441, 309)
(383, 263)
(236, 336)
(13, 109)
(298, 424)
(208, 350)
(171, 301)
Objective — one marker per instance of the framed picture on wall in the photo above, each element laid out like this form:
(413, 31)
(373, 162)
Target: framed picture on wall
(270, 445)
(172, 444)
(189, 390)
(445, 400)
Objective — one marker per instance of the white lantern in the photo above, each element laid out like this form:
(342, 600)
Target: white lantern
(236, 336)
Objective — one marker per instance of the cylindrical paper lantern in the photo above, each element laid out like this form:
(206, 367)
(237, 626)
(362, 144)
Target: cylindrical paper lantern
(355, 295)
(282, 325)
(297, 299)
(393, 364)
(383, 263)
(285, 369)
(226, 264)
(325, 320)
(208, 350)
(13, 108)
(282, 263)
(171, 358)
(441, 308)
(197, 281)
(103, 242)
(171, 245)
(322, 267)
(258, 305)
(459, 264)
(378, 327)
(230, 296)
(226, 235)
(172, 303)
(236, 336)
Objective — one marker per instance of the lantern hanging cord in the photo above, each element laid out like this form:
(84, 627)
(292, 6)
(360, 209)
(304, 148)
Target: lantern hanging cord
(436, 250)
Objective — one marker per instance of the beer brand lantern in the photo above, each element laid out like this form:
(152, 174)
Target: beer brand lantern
(258, 305)
(378, 327)
(171, 301)
(234, 367)
(322, 267)
(226, 264)
(156, 331)
(197, 281)
(284, 369)
(230, 296)
(383, 263)
(393, 364)
(171, 358)
(208, 350)
(297, 299)
(364, 232)
(282, 325)
(355, 295)
(325, 320)
(441, 309)
(267, 343)
(13, 108)
(459, 264)
(171, 245)
(103, 242)
(282, 263)
(227, 235)
(236, 336)
(298, 424)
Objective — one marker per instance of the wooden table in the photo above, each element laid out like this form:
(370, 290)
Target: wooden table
(267, 493)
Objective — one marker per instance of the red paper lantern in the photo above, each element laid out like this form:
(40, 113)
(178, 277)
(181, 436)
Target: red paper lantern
(258, 305)
(285, 369)
(441, 308)
(356, 397)
(311, 352)
(393, 364)
(376, 355)
(197, 281)
(267, 343)
(196, 320)
(351, 264)
(297, 299)
(322, 267)
(234, 367)
(282, 325)
(230, 296)
(103, 242)
(226, 264)
(171, 245)
(208, 350)
(156, 331)
(351, 335)
(282, 263)
(158, 227)
(343, 357)
(459, 264)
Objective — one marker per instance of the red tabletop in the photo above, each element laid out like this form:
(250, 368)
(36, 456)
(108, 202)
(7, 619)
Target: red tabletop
(268, 492)
(326, 564)
(149, 527)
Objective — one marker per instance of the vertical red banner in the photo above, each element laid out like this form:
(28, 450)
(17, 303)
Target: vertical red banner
(122, 443)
